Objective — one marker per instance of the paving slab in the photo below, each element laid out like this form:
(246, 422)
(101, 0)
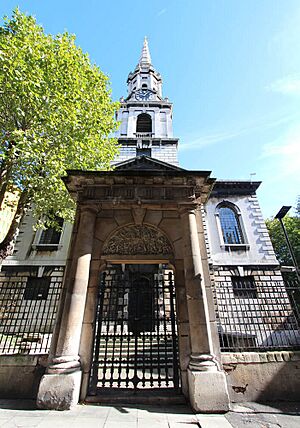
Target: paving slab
(213, 421)
(192, 424)
(151, 424)
(265, 415)
(4, 420)
(21, 413)
(28, 421)
(72, 423)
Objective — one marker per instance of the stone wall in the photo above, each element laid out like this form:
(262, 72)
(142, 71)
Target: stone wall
(164, 151)
(258, 248)
(25, 252)
(263, 376)
(20, 375)
(127, 151)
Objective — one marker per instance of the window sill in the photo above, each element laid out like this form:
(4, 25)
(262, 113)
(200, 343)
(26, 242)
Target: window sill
(235, 247)
(46, 247)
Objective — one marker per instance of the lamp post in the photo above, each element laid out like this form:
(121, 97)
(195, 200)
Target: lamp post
(280, 215)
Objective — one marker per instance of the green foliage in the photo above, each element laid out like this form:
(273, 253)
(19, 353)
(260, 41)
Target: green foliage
(292, 225)
(56, 114)
(297, 209)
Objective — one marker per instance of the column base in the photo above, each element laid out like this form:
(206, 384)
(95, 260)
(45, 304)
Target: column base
(208, 391)
(59, 391)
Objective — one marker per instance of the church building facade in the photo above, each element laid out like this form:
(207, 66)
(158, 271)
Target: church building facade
(163, 271)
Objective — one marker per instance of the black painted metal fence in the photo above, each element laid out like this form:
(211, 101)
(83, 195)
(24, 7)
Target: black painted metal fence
(258, 316)
(28, 307)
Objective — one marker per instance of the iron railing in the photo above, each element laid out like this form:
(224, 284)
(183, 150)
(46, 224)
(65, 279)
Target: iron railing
(27, 313)
(135, 332)
(260, 319)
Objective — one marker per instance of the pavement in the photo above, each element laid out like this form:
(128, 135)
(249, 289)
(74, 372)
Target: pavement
(23, 413)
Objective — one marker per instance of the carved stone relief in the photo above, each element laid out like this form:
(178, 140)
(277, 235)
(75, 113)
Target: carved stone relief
(137, 240)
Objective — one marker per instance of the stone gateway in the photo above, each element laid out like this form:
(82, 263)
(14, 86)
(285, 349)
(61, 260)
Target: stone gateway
(137, 227)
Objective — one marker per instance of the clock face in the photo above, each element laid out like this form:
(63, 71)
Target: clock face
(143, 95)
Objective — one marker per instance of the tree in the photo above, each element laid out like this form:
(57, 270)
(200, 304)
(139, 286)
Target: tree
(297, 209)
(56, 113)
(292, 225)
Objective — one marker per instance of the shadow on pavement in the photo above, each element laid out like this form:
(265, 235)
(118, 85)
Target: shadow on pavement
(281, 407)
(155, 408)
(18, 404)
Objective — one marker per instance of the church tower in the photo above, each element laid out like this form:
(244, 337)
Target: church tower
(145, 116)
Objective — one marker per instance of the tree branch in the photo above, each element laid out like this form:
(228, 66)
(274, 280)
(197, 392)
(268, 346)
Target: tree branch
(7, 245)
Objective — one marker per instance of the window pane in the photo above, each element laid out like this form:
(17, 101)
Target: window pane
(231, 229)
(51, 235)
(37, 288)
(244, 286)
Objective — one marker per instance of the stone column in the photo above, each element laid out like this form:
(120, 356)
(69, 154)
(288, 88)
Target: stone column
(207, 383)
(60, 386)
(182, 325)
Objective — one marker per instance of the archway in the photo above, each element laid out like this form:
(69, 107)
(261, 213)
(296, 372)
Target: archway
(135, 342)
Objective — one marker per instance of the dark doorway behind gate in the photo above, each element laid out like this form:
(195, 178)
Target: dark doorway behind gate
(135, 345)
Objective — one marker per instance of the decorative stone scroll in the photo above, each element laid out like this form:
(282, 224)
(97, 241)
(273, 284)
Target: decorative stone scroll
(137, 240)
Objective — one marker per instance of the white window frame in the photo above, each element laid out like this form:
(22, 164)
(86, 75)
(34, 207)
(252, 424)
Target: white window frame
(243, 246)
(36, 245)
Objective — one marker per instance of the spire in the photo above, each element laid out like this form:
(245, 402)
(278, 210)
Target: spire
(145, 58)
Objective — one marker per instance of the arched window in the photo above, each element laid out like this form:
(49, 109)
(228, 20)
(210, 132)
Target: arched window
(230, 224)
(144, 123)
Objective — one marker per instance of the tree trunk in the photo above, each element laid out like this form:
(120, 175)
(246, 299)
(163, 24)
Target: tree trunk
(5, 172)
(3, 187)
(7, 245)
(4, 177)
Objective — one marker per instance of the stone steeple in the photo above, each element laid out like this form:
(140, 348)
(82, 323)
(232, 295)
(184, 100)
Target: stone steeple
(145, 58)
(145, 116)
(144, 83)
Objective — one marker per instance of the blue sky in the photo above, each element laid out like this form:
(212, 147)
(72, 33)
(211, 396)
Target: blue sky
(231, 68)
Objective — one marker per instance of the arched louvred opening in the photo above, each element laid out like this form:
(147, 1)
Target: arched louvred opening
(144, 123)
(230, 225)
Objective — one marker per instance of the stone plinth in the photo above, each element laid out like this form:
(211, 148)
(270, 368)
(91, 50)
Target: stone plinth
(208, 391)
(59, 391)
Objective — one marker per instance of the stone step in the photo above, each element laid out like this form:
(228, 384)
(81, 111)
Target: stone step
(159, 396)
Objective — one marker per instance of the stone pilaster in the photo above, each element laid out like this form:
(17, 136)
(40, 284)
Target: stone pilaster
(60, 386)
(207, 383)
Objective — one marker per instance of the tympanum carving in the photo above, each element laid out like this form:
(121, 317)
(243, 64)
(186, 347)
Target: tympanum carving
(137, 240)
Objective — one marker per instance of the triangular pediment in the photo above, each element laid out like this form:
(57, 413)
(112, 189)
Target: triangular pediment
(146, 163)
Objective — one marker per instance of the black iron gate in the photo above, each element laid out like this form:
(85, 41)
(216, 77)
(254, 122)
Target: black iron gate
(135, 343)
